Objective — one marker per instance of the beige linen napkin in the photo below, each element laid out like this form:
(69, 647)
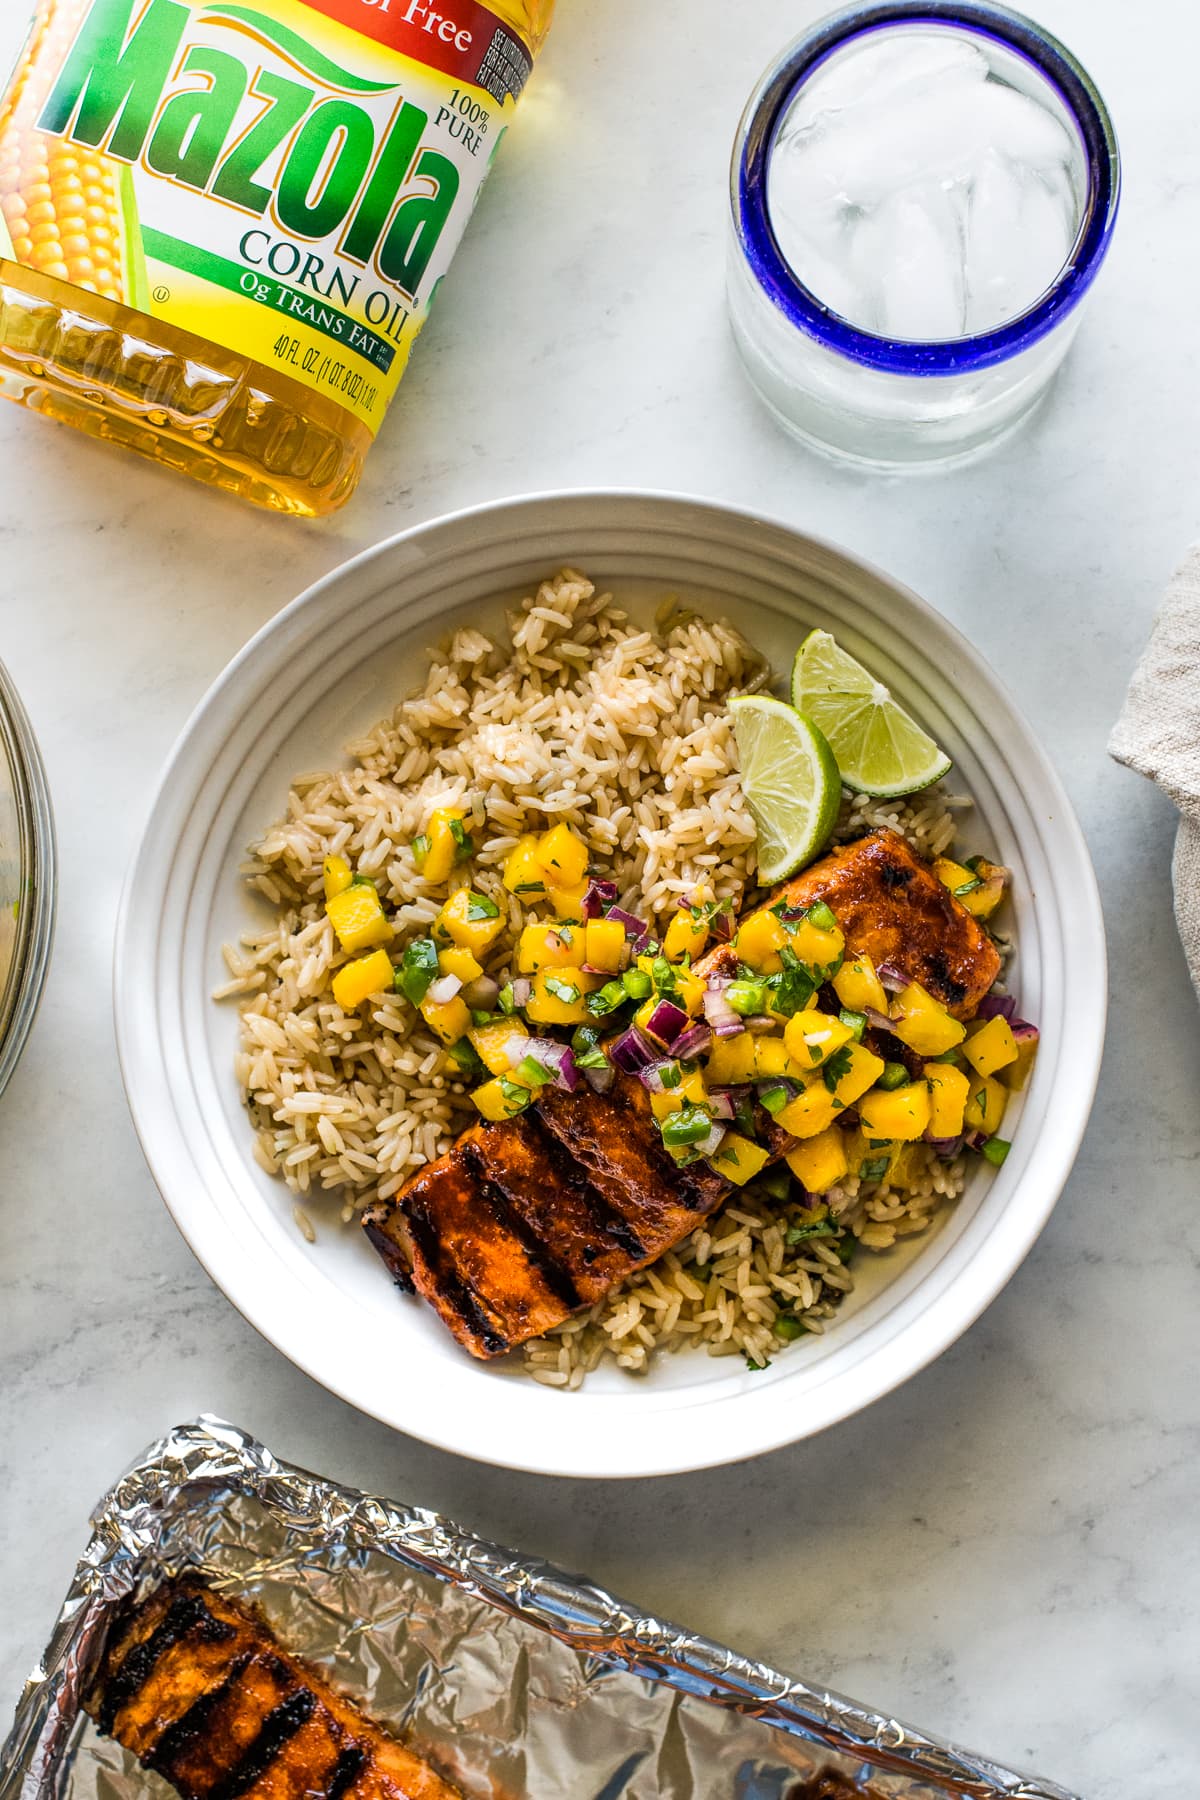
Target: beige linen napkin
(1158, 734)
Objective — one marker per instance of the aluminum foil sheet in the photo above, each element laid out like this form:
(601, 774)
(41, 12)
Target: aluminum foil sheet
(516, 1678)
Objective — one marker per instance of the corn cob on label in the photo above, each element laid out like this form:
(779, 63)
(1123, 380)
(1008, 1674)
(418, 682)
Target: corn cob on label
(288, 179)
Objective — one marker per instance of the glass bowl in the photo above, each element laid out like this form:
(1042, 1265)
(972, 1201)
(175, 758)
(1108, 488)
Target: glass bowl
(28, 877)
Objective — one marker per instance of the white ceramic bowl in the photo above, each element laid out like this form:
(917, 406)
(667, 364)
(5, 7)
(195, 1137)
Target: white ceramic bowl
(337, 659)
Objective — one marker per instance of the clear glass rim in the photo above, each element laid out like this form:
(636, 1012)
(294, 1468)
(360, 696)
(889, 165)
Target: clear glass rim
(22, 983)
(951, 356)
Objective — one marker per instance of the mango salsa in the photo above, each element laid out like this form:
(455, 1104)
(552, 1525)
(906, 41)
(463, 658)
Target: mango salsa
(992, 1047)
(731, 1060)
(360, 979)
(858, 987)
(813, 1037)
(559, 996)
(568, 901)
(451, 1020)
(523, 873)
(899, 1113)
(922, 1023)
(500, 1099)
(470, 920)
(337, 875)
(690, 1092)
(445, 843)
(759, 940)
(492, 1043)
(358, 918)
(563, 857)
(686, 935)
(738, 1159)
(812, 1112)
(948, 1090)
(820, 1162)
(819, 946)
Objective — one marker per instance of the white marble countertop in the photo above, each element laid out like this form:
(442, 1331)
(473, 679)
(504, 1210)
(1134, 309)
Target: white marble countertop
(1005, 1550)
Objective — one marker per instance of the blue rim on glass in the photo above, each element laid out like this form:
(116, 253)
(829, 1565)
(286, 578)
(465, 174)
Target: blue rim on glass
(755, 144)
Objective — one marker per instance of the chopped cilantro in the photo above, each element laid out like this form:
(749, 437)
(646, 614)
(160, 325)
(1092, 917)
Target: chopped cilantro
(756, 1368)
(664, 976)
(363, 881)
(606, 999)
(418, 970)
(788, 1329)
(480, 907)
(837, 1068)
(420, 850)
(465, 1055)
(566, 991)
(794, 986)
(966, 887)
(514, 1094)
(464, 843)
(874, 1169)
(800, 1234)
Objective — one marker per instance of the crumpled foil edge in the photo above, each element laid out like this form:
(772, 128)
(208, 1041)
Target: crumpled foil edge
(132, 1528)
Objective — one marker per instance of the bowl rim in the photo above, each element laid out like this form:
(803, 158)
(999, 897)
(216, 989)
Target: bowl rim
(972, 1298)
(21, 994)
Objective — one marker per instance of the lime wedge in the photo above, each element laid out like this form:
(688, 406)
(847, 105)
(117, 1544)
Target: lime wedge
(790, 780)
(879, 749)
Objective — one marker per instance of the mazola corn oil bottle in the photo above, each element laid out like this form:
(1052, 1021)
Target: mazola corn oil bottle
(222, 222)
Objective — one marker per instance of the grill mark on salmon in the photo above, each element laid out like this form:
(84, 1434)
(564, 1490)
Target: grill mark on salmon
(224, 1713)
(580, 1188)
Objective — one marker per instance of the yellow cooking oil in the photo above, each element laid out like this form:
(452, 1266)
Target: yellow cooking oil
(223, 222)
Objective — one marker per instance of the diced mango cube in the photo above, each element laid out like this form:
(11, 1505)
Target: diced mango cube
(773, 1059)
(443, 851)
(948, 1090)
(812, 1037)
(337, 875)
(686, 935)
(813, 1111)
(862, 1070)
(563, 857)
(689, 991)
(820, 1162)
(523, 873)
(922, 1023)
(568, 901)
(900, 1113)
(469, 919)
(818, 946)
(358, 918)
(738, 1158)
(690, 1092)
(985, 1105)
(559, 996)
(731, 1060)
(451, 1020)
(604, 945)
(360, 979)
(456, 959)
(759, 940)
(992, 1047)
(858, 986)
(500, 1099)
(549, 947)
(492, 1043)
(1017, 1073)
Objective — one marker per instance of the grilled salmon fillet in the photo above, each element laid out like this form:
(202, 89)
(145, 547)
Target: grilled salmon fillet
(525, 1221)
(196, 1687)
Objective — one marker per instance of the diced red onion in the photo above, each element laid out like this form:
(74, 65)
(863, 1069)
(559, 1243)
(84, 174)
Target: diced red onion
(723, 925)
(693, 1042)
(601, 895)
(666, 1022)
(444, 989)
(632, 1051)
(1025, 1033)
(522, 989)
(997, 1006)
(946, 1148)
(654, 1076)
(975, 1140)
(558, 1060)
(634, 928)
(722, 1102)
(879, 1021)
(759, 1023)
(892, 978)
(708, 1146)
(481, 994)
(600, 1080)
(717, 1010)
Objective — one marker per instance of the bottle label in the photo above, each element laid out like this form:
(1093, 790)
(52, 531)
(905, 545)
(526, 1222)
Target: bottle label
(286, 178)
